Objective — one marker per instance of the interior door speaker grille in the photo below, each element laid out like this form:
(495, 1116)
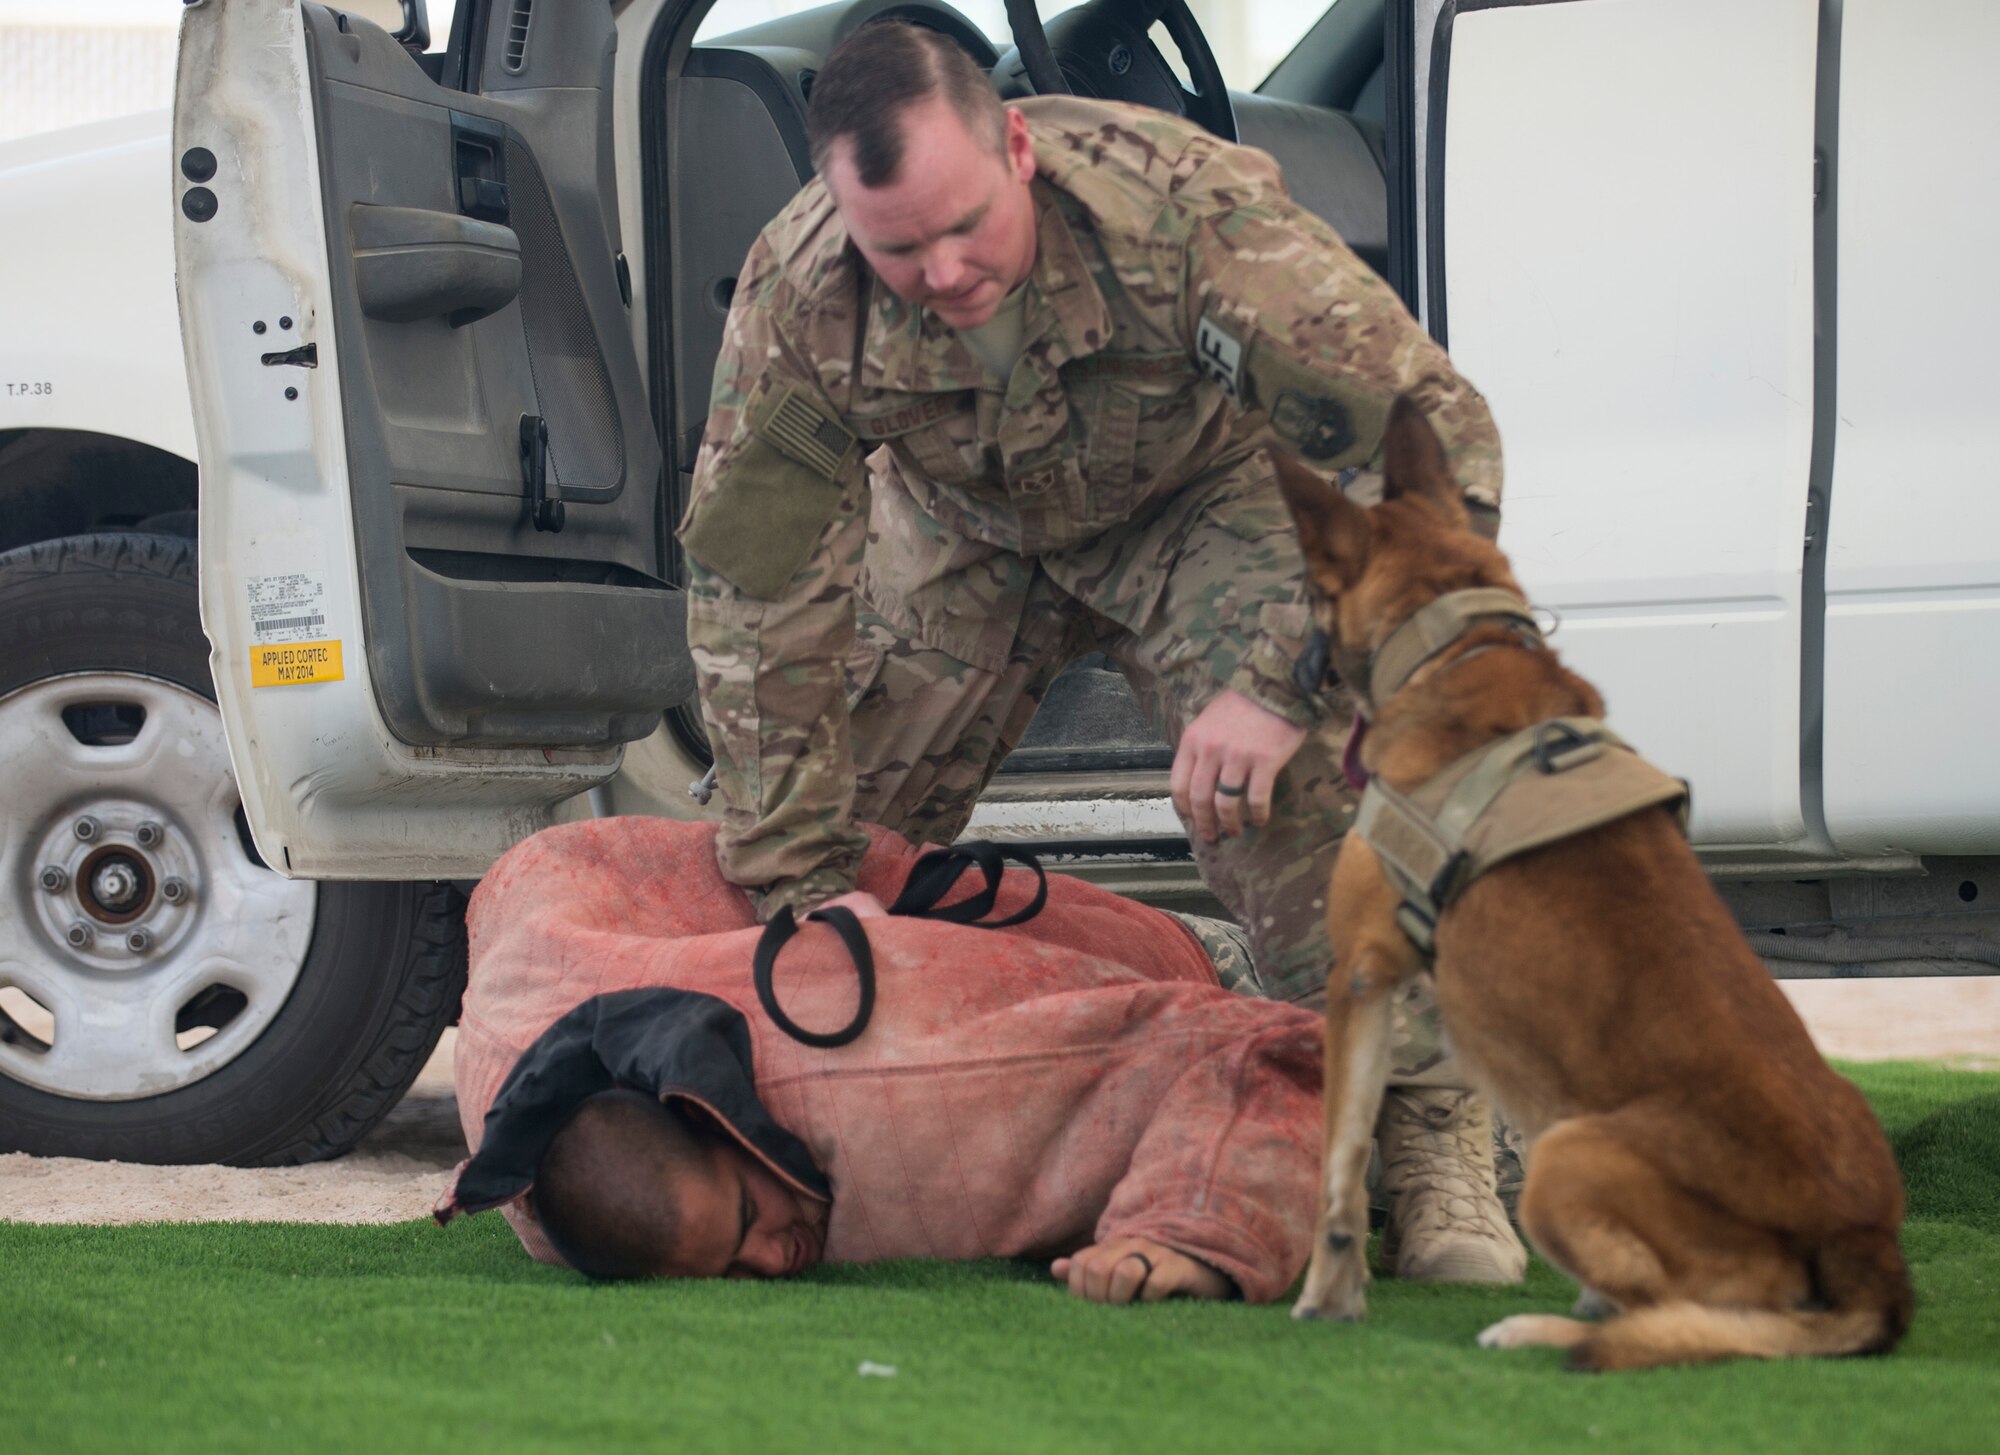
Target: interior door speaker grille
(514, 55)
(572, 384)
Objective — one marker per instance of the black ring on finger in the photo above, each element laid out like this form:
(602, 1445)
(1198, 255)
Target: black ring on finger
(1223, 790)
(1135, 1253)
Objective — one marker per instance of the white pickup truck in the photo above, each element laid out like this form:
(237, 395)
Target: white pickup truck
(1724, 269)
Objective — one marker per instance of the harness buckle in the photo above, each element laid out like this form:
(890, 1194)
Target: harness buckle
(1558, 746)
(1449, 879)
(1420, 927)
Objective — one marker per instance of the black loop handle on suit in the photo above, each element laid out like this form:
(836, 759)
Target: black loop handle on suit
(931, 879)
(776, 934)
(936, 875)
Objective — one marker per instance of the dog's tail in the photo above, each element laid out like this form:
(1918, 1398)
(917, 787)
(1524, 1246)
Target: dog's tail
(1859, 1275)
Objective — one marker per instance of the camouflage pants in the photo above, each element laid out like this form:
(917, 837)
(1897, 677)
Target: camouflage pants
(957, 641)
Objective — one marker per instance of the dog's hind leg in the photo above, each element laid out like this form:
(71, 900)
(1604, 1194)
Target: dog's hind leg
(1577, 1178)
(1600, 1209)
(1357, 1070)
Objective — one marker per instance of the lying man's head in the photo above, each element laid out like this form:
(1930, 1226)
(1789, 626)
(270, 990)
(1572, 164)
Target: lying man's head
(631, 1188)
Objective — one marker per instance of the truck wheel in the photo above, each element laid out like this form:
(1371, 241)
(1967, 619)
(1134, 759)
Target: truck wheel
(164, 997)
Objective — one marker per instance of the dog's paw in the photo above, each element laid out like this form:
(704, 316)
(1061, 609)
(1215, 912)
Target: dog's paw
(1339, 1311)
(1336, 1285)
(1534, 1331)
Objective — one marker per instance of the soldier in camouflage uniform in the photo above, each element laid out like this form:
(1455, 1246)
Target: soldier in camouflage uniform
(908, 516)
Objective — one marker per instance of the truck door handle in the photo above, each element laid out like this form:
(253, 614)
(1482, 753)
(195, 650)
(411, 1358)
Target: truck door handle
(545, 504)
(479, 166)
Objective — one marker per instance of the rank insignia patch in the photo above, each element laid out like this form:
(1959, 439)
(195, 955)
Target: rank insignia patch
(1220, 359)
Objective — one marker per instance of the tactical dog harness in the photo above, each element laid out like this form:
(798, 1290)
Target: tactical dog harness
(1546, 783)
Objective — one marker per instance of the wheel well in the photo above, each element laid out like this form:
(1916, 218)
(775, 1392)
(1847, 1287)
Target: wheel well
(60, 482)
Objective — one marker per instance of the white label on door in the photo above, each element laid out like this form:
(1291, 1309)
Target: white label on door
(287, 608)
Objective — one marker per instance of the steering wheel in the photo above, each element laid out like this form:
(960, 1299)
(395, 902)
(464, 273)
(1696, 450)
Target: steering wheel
(1101, 49)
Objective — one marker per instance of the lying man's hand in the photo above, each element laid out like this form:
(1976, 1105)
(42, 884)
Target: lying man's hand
(1125, 1269)
(1228, 761)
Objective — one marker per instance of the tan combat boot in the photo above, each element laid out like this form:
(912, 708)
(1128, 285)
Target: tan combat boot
(1446, 1224)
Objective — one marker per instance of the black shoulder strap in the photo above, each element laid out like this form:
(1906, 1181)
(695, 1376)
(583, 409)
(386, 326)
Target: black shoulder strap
(931, 878)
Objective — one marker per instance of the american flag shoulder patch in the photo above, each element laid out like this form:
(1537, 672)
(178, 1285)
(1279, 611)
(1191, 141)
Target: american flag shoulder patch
(800, 430)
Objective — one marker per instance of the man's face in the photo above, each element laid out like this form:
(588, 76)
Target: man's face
(739, 1220)
(955, 230)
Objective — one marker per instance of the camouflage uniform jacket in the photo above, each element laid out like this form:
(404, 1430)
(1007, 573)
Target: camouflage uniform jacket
(1182, 312)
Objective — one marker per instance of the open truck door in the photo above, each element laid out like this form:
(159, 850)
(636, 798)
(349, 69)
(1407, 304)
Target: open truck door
(433, 527)
(1618, 233)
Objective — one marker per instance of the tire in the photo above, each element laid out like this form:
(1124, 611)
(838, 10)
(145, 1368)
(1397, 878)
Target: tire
(318, 1032)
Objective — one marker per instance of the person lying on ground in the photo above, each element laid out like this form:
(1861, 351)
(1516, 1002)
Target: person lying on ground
(633, 1187)
(1078, 1087)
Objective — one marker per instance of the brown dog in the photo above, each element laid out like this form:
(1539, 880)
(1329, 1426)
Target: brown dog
(1694, 1164)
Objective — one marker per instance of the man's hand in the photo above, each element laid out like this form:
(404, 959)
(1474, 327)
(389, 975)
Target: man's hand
(1232, 744)
(864, 905)
(1118, 1272)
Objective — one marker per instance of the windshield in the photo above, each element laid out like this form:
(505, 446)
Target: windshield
(1248, 37)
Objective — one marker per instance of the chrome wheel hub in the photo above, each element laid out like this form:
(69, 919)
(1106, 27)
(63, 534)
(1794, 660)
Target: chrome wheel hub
(142, 946)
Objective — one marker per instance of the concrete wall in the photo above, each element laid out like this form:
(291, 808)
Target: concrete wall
(52, 76)
(67, 62)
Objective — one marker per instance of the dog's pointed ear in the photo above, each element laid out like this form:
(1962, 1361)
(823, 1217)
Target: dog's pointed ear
(1333, 530)
(1414, 466)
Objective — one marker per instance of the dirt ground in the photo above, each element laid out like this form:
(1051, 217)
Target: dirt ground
(402, 1167)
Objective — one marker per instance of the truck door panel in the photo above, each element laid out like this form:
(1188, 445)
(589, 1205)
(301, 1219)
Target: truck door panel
(433, 405)
(1913, 558)
(458, 669)
(1620, 255)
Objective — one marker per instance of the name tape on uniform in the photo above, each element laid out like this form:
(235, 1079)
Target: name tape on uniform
(295, 663)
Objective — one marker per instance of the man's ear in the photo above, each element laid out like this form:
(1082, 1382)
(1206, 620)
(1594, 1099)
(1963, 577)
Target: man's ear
(1333, 530)
(1018, 145)
(1413, 463)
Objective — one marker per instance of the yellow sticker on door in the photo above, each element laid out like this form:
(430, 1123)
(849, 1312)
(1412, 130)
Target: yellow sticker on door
(295, 662)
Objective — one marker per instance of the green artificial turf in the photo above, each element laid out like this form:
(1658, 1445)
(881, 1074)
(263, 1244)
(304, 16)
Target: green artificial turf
(267, 1337)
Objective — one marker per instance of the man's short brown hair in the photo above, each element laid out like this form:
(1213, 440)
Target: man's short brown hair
(603, 1188)
(877, 74)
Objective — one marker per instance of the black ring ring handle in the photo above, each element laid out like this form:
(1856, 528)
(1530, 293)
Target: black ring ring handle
(931, 879)
(776, 934)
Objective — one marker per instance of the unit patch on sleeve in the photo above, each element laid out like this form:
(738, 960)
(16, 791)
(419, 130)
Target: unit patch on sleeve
(1316, 424)
(1330, 418)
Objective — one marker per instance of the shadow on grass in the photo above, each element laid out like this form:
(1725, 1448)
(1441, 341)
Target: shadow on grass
(1951, 1163)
